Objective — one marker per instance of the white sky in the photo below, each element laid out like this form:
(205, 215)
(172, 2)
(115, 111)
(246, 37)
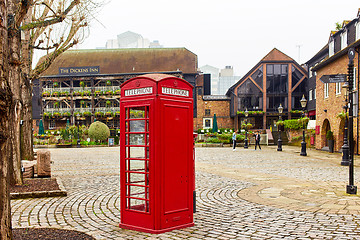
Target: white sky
(229, 32)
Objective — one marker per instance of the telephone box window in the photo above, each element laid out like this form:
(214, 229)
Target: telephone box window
(137, 158)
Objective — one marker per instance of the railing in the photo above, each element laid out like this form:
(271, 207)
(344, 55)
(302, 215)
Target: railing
(81, 89)
(82, 110)
(57, 110)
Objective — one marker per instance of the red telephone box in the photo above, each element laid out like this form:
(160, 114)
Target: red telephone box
(156, 153)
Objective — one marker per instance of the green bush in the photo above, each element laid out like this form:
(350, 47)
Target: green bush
(99, 131)
(292, 124)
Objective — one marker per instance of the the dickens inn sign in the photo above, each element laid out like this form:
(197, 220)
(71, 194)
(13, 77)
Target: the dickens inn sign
(79, 70)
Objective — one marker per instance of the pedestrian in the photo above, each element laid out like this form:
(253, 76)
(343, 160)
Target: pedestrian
(234, 140)
(257, 140)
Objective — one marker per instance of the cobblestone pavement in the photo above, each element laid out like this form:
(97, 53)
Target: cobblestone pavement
(244, 194)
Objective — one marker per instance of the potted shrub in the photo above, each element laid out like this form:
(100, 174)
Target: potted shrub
(108, 103)
(82, 84)
(108, 83)
(330, 140)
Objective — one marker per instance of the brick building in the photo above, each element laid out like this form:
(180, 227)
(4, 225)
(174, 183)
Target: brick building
(330, 96)
(208, 105)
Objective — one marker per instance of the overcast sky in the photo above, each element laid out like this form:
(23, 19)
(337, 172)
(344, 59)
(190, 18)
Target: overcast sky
(228, 32)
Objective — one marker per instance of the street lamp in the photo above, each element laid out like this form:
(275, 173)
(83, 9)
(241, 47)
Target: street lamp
(303, 102)
(280, 109)
(345, 148)
(351, 188)
(78, 123)
(246, 139)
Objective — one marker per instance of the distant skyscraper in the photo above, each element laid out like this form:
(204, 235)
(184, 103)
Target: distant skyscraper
(221, 80)
(131, 40)
(226, 79)
(214, 72)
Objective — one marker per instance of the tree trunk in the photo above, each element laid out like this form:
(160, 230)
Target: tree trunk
(5, 98)
(27, 151)
(15, 114)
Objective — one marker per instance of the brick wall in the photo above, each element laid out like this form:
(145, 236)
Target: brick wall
(327, 109)
(219, 107)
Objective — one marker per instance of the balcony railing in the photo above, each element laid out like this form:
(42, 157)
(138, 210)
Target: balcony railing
(82, 110)
(81, 89)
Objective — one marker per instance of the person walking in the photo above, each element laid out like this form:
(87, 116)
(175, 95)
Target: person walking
(234, 140)
(257, 140)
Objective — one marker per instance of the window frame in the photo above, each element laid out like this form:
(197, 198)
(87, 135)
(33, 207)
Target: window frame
(326, 90)
(331, 47)
(337, 88)
(343, 39)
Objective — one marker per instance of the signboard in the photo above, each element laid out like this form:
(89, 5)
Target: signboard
(79, 70)
(174, 91)
(110, 142)
(138, 91)
(333, 78)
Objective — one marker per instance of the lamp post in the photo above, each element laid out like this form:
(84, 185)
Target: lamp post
(78, 136)
(246, 139)
(280, 109)
(303, 102)
(345, 148)
(351, 188)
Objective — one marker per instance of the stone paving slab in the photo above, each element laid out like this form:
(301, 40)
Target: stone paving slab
(244, 194)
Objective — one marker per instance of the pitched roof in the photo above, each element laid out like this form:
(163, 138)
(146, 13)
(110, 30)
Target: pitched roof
(276, 55)
(136, 60)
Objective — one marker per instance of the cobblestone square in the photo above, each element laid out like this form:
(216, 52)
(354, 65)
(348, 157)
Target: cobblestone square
(242, 194)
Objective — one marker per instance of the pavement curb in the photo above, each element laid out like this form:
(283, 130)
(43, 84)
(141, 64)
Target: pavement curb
(41, 194)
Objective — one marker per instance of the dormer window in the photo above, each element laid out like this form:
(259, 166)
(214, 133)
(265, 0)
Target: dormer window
(331, 47)
(343, 37)
(357, 26)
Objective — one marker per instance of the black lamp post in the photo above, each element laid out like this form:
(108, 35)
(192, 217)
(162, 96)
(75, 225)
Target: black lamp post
(78, 135)
(303, 102)
(246, 139)
(351, 188)
(345, 148)
(280, 109)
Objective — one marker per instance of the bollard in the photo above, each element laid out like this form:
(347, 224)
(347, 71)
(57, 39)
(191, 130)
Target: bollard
(43, 164)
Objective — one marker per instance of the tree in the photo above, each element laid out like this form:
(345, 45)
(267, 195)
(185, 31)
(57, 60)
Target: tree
(52, 26)
(5, 98)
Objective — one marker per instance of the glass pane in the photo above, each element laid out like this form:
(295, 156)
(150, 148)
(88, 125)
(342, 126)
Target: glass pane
(137, 112)
(136, 178)
(137, 139)
(258, 76)
(136, 152)
(137, 126)
(136, 191)
(139, 205)
(136, 165)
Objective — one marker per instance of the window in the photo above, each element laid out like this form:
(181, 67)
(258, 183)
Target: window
(354, 79)
(326, 90)
(207, 123)
(315, 93)
(338, 88)
(343, 37)
(357, 26)
(331, 47)
(207, 112)
(310, 94)
(52, 124)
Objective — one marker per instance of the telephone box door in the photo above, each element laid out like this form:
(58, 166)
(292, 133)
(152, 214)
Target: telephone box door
(136, 174)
